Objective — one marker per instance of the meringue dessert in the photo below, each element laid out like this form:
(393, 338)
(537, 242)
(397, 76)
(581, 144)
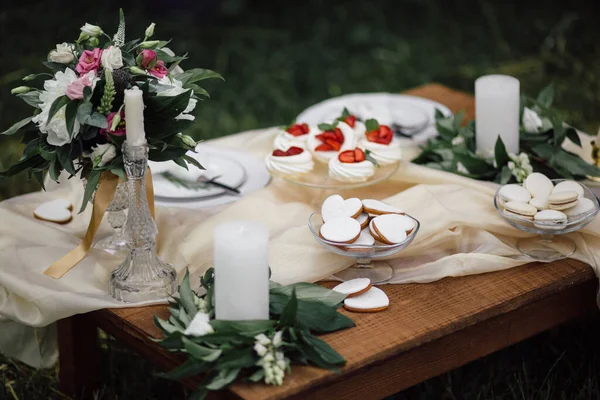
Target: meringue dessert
(383, 147)
(294, 161)
(294, 135)
(351, 166)
(329, 140)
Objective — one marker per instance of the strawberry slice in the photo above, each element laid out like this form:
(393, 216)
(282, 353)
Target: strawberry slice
(385, 132)
(279, 153)
(339, 135)
(334, 143)
(305, 128)
(321, 137)
(330, 135)
(347, 157)
(324, 147)
(359, 155)
(292, 151)
(372, 136)
(298, 129)
(350, 120)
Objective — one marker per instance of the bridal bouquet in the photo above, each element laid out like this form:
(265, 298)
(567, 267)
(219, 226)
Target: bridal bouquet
(78, 124)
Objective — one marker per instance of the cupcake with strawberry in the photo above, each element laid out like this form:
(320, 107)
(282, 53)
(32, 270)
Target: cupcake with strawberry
(294, 161)
(379, 140)
(351, 166)
(292, 135)
(330, 139)
(350, 119)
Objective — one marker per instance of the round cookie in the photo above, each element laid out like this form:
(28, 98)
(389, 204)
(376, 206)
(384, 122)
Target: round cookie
(393, 228)
(538, 185)
(514, 192)
(341, 230)
(541, 203)
(354, 287)
(584, 205)
(377, 207)
(373, 300)
(336, 207)
(57, 211)
(363, 220)
(550, 219)
(520, 210)
(568, 186)
(563, 200)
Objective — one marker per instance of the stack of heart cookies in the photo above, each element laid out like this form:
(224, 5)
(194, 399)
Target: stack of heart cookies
(363, 222)
(540, 201)
(362, 296)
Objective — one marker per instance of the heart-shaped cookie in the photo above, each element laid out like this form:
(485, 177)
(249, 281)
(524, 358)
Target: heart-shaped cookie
(372, 300)
(393, 228)
(341, 230)
(336, 207)
(353, 287)
(58, 211)
(377, 207)
(364, 239)
(363, 220)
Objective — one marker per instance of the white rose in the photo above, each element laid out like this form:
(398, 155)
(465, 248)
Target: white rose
(92, 30)
(111, 58)
(102, 154)
(63, 54)
(199, 325)
(531, 121)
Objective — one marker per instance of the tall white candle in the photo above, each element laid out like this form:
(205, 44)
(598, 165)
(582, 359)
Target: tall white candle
(497, 112)
(241, 258)
(134, 117)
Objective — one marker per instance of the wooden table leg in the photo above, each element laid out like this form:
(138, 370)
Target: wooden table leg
(79, 356)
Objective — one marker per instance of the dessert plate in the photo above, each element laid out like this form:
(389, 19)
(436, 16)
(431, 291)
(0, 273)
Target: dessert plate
(411, 113)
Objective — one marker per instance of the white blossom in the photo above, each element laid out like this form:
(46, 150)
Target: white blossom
(102, 154)
(458, 140)
(173, 87)
(532, 123)
(277, 339)
(92, 30)
(199, 326)
(112, 58)
(150, 30)
(273, 362)
(63, 54)
(461, 168)
(520, 166)
(260, 349)
(263, 339)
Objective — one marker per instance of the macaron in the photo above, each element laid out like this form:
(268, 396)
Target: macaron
(550, 219)
(541, 203)
(563, 200)
(584, 205)
(538, 185)
(513, 192)
(520, 210)
(569, 186)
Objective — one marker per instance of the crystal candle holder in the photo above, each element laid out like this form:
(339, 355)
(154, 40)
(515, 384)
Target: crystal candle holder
(142, 276)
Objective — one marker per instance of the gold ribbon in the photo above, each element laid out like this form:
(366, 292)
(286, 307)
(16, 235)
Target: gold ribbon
(104, 195)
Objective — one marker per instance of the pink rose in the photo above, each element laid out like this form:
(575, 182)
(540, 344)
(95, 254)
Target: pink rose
(89, 61)
(147, 59)
(75, 88)
(119, 129)
(159, 70)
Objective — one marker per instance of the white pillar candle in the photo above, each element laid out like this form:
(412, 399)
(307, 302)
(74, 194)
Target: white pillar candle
(241, 258)
(134, 117)
(497, 112)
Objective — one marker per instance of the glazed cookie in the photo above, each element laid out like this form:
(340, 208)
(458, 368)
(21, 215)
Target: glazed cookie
(568, 186)
(363, 220)
(354, 287)
(377, 207)
(341, 230)
(393, 228)
(57, 211)
(364, 239)
(518, 209)
(373, 300)
(563, 200)
(336, 207)
(373, 232)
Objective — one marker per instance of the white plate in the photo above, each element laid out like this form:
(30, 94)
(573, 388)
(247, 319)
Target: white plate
(257, 178)
(388, 108)
(229, 172)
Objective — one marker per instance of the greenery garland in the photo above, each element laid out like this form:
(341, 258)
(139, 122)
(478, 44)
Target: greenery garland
(542, 133)
(221, 352)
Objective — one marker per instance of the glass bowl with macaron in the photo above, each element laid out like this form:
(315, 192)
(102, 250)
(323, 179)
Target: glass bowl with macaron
(548, 208)
(365, 230)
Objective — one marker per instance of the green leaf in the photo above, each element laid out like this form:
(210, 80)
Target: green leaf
(546, 96)
(186, 296)
(193, 161)
(70, 115)
(574, 164)
(325, 127)
(32, 98)
(559, 131)
(98, 120)
(249, 327)
(505, 175)
(573, 136)
(345, 113)
(120, 173)
(224, 378)
(54, 170)
(501, 155)
(198, 74)
(16, 127)
(166, 107)
(64, 157)
(258, 376)
(84, 111)
(188, 369)
(474, 164)
(24, 164)
(439, 114)
(54, 66)
(200, 352)
(445, 128)
(165, 326)
(59, 103)
(310, 291)
(458, 119)
(90, 187)
(318, 352)
(288, 315)
(237, 358)
(87, 93)
(372, 125)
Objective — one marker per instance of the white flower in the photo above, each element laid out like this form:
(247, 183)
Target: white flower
(173, 87)
(150, 30)
(177, 69)
(532, 123)
(262, 339)
(260, 349)
(91, 30)
(199, 326)
(458, 140)
(111, 58)
(277, 339)
(63, 54)
(102, 154)
(519, 166)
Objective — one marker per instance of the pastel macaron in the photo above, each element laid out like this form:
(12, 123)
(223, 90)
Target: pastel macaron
(563, 200)
(520, 210)
(584, 205)
(568, 186)
(538, 185)
(550, 219)
(513, 192)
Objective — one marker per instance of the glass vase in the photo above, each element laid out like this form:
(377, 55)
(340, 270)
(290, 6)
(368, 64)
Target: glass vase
(142, 276)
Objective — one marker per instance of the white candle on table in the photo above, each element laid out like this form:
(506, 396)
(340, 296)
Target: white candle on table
(241, 258)
(497, 112)
(134, 117)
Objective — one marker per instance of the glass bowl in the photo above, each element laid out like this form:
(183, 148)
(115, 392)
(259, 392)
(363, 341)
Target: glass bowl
(549, 246)
(377, 271)
(319, 177)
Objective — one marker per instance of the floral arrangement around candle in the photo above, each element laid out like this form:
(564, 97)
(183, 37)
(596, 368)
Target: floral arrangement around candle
(542, 133)
(221, 352)
(79, 119)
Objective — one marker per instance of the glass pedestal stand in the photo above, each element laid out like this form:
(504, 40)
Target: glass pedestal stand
(116, 215)
(142, 276)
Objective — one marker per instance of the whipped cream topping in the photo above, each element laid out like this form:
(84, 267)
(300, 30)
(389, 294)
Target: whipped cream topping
(325, 156)
(284, 140)
(360, 130)
(350, 172)
(290, 165)
(384, 154)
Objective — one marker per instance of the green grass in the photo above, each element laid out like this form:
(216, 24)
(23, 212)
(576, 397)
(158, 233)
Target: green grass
(280, 57)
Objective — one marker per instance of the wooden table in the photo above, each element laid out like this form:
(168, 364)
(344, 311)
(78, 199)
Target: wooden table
(427, 330)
